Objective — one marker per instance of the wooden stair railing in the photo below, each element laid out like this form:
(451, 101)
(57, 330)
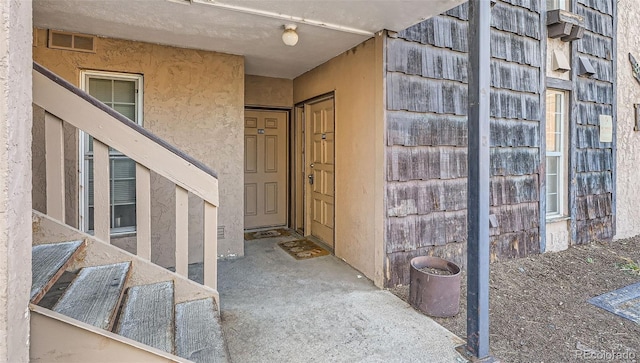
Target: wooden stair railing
(64, 102)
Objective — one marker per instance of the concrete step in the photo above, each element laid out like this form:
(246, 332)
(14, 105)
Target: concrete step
(49, 262)
(147, 315)
(199, 335)
(94, 296)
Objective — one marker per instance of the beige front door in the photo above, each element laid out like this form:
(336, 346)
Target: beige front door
(320, 169)
(265, 168)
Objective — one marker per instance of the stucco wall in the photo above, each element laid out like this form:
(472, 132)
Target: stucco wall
(192, 99)
(15, 179)
(355, 76)
(563, 48)
(268, 91)
(628, 147)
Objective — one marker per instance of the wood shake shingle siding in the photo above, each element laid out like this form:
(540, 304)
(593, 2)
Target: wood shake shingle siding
(592, 165)
(427, 136)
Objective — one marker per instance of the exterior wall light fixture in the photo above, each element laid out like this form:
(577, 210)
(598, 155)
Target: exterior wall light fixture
(290, 36)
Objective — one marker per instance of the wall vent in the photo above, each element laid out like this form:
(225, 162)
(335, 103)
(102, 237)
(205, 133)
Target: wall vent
(72, 41)
(220, 232)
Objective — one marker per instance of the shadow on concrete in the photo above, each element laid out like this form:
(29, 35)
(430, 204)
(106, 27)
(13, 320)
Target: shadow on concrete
(277, 309)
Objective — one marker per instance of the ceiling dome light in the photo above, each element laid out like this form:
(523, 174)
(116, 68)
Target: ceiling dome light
(289, 36)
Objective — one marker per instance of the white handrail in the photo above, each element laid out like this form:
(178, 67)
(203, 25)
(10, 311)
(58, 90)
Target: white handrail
(65, 102)
(110, 130)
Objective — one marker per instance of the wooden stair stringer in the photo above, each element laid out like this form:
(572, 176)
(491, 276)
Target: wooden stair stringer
(97, 252)
(56, 338)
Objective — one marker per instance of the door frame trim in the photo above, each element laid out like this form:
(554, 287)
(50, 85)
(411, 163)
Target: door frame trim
(304, 104)
(289, 112)
(316, 99)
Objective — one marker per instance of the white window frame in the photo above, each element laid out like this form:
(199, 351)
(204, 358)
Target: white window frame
(562, 156)
(83, 220)
(559, 4)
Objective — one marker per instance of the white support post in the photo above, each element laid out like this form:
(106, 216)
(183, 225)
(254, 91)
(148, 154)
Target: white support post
(101, 192)
(182, 231)
(54, 155)
(143, 211)
(210, 245)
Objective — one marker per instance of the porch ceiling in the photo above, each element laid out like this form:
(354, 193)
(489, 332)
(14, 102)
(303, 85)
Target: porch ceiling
(249, 28)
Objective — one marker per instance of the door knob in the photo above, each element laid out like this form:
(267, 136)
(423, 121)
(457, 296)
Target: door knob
(310, 179)
(312, 165)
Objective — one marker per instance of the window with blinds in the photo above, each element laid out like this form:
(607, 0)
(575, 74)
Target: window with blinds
(121, 92)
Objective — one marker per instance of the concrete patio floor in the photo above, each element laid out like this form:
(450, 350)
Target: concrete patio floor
(277, 309)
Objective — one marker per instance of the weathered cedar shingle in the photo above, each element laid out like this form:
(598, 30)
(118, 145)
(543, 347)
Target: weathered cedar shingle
(451, 33)
(434, 229)
(593, 206)
(603, 68)
(417, 94)
(427, 136)
(423, 163)
(603, 6)
(593, 183)
(514, 161)
(594, 229)
(588, 160)
(591, 90)
(426, 61)
(515, 20)
(513, 189)
(514, 105)
(594, 160)
(588, 113)
(424, 197)
(515, 49)
(533, 5)
(514, 133)
(424, 129)
(512, 245)
(515, 77)
(596, 45)
(595, 21)
(440, 31)
(588, 137)
(461, 12)
(517, 217)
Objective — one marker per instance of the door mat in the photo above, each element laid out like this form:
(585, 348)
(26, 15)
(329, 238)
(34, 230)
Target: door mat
(303, 249)
(266, 234)
(624, 302)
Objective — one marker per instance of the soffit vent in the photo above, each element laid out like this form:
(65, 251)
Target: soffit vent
(72, 41)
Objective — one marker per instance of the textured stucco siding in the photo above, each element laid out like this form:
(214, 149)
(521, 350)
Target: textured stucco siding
(15, 179)
(358, 155)
(192, 99)
(628, 147)
(268, 91)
